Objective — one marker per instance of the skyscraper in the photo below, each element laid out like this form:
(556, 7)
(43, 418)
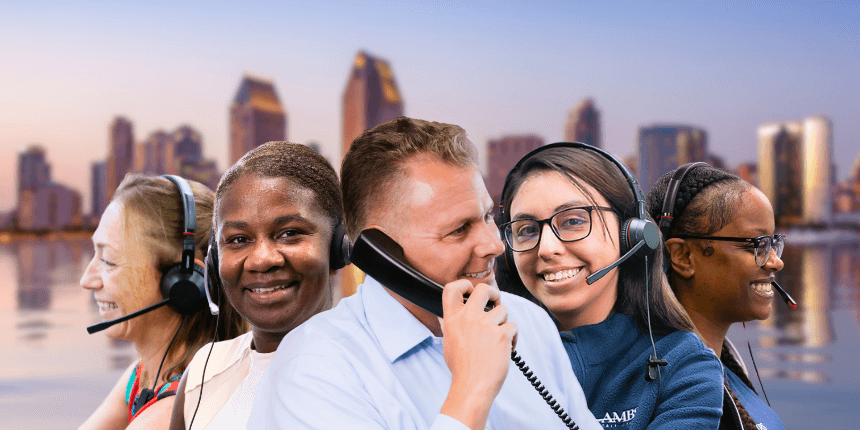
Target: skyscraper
(256, 117)
(120, 153)
(665, 147)
(502, 155)
(371, 97)
(99, 202)
(33, 171)
(43, 204)
(188, 146)
(583, 124)
(157, 154)
(795, 169)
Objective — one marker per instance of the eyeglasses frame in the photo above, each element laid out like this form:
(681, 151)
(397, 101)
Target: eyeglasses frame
(503, 228)
(754, 240)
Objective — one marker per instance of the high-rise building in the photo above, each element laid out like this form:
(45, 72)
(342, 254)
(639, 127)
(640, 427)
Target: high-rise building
(188, 146)
(43, 204)
(57, 207)
(583, 124)
(371, 97)
(748, 172)
(795, 170)
(33, 171)
(120, 153)
(256, 117)
(502, 155)
(665, 147)
(157, 154)
(99, 202)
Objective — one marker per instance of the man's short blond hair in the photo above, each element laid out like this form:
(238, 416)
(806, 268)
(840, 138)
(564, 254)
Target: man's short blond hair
(376, 159)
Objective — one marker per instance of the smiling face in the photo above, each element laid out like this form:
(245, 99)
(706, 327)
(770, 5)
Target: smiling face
(445, 223)
(273, 245)
(555, 271)
(727, 284)
(123, 276)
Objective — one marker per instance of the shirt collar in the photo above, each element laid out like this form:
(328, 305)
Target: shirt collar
(395, 328)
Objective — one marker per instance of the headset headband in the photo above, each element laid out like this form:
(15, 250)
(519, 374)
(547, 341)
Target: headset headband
(634, 184)
(190, 213)
(666, 216)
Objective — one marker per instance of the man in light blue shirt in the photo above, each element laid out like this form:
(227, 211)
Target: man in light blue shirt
(377, 361)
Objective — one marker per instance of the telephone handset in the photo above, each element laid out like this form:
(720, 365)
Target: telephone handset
(382, 258)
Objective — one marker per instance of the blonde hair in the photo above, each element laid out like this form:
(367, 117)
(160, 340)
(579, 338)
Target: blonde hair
(376, 158)
(153, 211)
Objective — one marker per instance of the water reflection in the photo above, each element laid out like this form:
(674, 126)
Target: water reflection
(808, 278)
(796, 351)
(799, 344)
(46, 312)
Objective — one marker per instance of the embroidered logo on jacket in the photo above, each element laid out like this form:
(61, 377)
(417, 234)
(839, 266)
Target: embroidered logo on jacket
(613, 419)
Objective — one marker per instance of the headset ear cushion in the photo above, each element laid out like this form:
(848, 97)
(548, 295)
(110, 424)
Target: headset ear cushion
(625, 244)
(185, 291)
(339, 252)
(636, 230)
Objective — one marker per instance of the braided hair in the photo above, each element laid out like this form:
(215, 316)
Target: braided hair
(697, 211)
(732, 365)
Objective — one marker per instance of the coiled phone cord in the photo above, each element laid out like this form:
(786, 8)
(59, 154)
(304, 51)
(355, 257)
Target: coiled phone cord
(547, 397)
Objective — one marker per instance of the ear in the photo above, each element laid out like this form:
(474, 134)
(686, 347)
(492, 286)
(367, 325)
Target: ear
(199, 262)
(679, 257)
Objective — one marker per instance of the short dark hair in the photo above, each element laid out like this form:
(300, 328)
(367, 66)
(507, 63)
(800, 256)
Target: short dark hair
(296, 162)
(375, 161)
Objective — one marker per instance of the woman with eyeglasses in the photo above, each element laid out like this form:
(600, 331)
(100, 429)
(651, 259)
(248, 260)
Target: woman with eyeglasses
(562, 212)
(722, 258)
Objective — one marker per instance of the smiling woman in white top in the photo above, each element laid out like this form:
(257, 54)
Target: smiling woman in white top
(277, 211)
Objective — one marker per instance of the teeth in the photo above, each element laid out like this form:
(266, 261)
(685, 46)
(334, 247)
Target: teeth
(107, 306)
(561, 274)
(763, 287)
(268, 290)
(483, 274)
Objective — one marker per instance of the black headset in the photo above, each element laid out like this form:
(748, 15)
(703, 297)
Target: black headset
(639, 236)
(338, 259)
(183, 283)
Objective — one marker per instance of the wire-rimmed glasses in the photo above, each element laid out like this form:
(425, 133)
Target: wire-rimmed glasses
(569, 225)
(762, 244)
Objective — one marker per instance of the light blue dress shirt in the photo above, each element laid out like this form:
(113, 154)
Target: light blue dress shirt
(370, 364)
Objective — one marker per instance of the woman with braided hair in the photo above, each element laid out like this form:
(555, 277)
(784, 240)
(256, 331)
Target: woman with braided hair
(722, 256)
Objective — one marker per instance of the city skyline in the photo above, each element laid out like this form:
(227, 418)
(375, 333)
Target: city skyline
(469, 64)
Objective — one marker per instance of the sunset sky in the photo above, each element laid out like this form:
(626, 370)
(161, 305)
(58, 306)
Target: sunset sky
(495, 68)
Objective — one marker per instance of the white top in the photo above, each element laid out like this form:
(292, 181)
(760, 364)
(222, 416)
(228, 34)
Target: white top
(370, 364)
(232, 376)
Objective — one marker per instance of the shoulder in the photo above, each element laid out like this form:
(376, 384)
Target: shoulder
(523, 311)
(692, 365)
(224, 355)
(321, 334)
(686, 346)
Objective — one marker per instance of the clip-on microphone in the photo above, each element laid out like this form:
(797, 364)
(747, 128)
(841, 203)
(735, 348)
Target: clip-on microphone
(95, 328)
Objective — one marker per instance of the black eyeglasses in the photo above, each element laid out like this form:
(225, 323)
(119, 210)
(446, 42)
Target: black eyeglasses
(762, 244)
(569, 225)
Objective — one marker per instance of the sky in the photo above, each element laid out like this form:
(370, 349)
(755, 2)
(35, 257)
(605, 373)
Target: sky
(495, 68)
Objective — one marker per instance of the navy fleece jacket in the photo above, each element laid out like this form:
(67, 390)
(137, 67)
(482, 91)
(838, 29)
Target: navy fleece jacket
(610, 361)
